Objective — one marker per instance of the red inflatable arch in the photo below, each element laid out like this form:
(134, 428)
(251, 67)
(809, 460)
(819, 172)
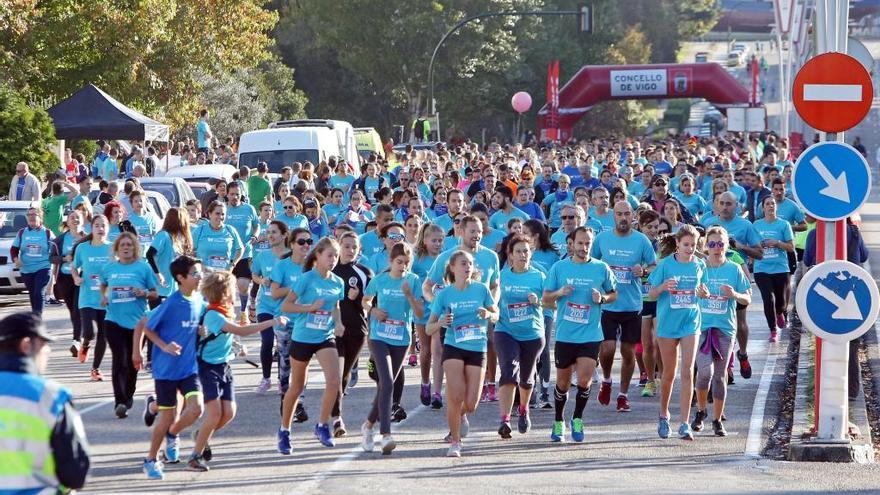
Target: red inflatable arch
(597, 83)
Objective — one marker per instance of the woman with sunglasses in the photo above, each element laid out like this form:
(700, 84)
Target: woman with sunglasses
(265, 262)
(283, 277)
(291, 214)
(389, 235)
(65, 288)
(216, 243)
(356, 215)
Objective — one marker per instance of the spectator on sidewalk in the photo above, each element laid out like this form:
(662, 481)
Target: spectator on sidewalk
(24, 186)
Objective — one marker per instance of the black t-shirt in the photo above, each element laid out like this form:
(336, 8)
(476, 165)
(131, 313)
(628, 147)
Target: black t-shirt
(352, 312)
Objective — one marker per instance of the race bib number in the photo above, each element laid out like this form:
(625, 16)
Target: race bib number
(577, 313)
(122, 294)
(33, 250)
(715, 305)
(464, 333)
(262, 246)
(771, 253)
(392, 330)
(94, 282)
(682, 299)
(623, 274)
(518, 312)
(318, 320)
(218, 262)
(145, 238)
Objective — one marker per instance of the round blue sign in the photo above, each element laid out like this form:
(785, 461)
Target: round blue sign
(831, 180)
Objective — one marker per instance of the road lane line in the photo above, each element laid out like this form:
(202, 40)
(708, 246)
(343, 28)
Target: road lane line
(756, 424)
(95, 406)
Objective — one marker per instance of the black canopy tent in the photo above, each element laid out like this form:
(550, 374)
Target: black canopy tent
(93, 114)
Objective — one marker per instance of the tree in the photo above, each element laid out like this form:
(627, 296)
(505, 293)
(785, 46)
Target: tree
(26, 135)
(667, 22)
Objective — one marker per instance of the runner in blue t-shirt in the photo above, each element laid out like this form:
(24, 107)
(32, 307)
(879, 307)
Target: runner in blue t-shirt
(544, 256)
(216, 243)
(428, 247)
(265, 262)
(89, 259)
(771, 272)
(243, 218)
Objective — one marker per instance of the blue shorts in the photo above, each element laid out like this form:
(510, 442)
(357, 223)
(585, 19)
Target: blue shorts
(217, 381)
(166, 390)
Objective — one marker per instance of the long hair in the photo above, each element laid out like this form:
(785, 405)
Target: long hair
(400, 249)
(669, 242)
(507, 246)
(539, 229)
(282, 227)
(323, 245)
(427, 230)
(448, 275)
(177, 225)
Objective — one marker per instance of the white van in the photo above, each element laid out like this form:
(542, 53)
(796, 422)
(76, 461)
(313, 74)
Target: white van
(289, 141)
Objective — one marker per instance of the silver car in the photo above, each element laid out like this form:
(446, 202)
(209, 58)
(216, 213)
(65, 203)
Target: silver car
(12, 219)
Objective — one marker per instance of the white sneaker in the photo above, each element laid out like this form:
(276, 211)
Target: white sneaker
(454, 450)
(465, 427)
(264, 386)
(388, 444)
(368, 441)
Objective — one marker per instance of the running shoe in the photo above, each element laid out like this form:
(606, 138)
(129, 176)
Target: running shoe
(780, 321)
(388, 444)
(300, 415)
(772, 336)
(663, 427)
(121, 411)
(353, 379)
(558, 433)
(524, 424)
(643, 379)
(83, 354)
(413, 360)
(398, 413)
(367, 437)
(425, 394)
(577, 429)
(697, 423)
(448, 437)
(149, 416)
(53, 302)
(339, 428)
(243, 319)
(650, 389)
(504, 430)
(718, 426)
(465, 427)
(492, 393)
(284, 441)
(207, 453)
(623, 404)
(197, 463)
(745, 368)
(74, 348)
(684, 432)
(484, 395)
(264, 386)
(437, 401)
(605, 393)
(454, 450)
(252, 311)
(730, 380)
(154, 469)
(96, 375)
(322, 433)
(545, 402)
(172, 449)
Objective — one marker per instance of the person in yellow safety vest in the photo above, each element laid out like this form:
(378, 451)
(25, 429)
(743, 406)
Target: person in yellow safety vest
(43, 447)
(421, 129)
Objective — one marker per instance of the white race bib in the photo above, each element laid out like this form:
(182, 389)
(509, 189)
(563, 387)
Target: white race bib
(682, 299)
(577, 313)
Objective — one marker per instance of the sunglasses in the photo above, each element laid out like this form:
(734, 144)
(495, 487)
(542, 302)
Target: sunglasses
(289, 207)
(714, 244)
(396, 237)
(659, 183)
(567, 217)
(303, 242)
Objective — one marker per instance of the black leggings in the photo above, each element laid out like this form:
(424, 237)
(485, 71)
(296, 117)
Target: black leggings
(124, 375)
(267, 341)
(68, 291)
(389, 361)
(349, 347)
(772, 287)
(92, 325)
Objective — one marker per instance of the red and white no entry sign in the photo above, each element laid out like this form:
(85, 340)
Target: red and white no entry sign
(832, 92)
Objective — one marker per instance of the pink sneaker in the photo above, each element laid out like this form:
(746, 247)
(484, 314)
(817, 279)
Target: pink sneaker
(780, 321)
(492, 394)
(484, 396)
(772, 336)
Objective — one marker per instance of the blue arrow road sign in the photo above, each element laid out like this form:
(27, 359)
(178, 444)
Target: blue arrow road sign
(831, 180)
(838, 300)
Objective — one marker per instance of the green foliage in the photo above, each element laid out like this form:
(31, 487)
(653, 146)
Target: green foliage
(26, 135)
(667, 22)
(84, 146)
(677, 114)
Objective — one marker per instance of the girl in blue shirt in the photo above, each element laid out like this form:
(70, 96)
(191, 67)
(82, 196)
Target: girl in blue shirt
(389, 235)
(771, 272)
(89, 259)
(677, 282)
(356, 215)
(172, 241)
(290, 214)
(314, 299)
(396, 298)
(428, 247)
(465, 309)
(317, 225)
(216, 243)
(265, 262)
(332, 209)
(31, 252)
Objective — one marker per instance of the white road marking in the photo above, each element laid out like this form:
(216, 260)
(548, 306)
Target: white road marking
(756, 424)
(832, 92)
(95, 406)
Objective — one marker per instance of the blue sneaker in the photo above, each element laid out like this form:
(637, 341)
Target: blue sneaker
(577, 430)
(172, 449)
(558, 433)
(154, 469)
(283, 441)
(684, 432)
(322, 433)
(663, 427)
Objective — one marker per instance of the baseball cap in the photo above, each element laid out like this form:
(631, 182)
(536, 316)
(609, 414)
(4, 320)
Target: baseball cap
(20, 325)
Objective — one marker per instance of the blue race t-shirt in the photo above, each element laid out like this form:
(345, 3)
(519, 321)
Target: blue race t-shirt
(717, 310)
(35, 248)
(176, 320)
(123, 307)
(243, 218)
(492, 240)
(622, 254)
(519, 318)
(147, 226)
(317, 326)
(468, 331)
(577, 316)
(217, 248)
(395, 329)
(219, 349)
(371, 244)
(165, 254)
(485, 259)
(498, 220)
(775, 259)
(678, 313)
(90, 261)
(265, 262)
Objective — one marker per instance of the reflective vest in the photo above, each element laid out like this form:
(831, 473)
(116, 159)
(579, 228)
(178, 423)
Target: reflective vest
(29, 409)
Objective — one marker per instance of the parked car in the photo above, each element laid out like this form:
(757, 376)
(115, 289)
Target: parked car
(368, 141)
(203, 173)
(199, 188)
(175, 189)
(12, 219)
(701, 57)
(734, 59)
(159, 204)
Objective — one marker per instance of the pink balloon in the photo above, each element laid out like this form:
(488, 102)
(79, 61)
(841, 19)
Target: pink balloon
(521, 102)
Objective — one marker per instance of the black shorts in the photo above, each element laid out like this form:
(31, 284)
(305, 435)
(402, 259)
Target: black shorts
(470, 358)
(303, 351)
(166, 390)
(242, 269)
(217, 381)
(649, 309)
(567, 353)
(624, 324)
